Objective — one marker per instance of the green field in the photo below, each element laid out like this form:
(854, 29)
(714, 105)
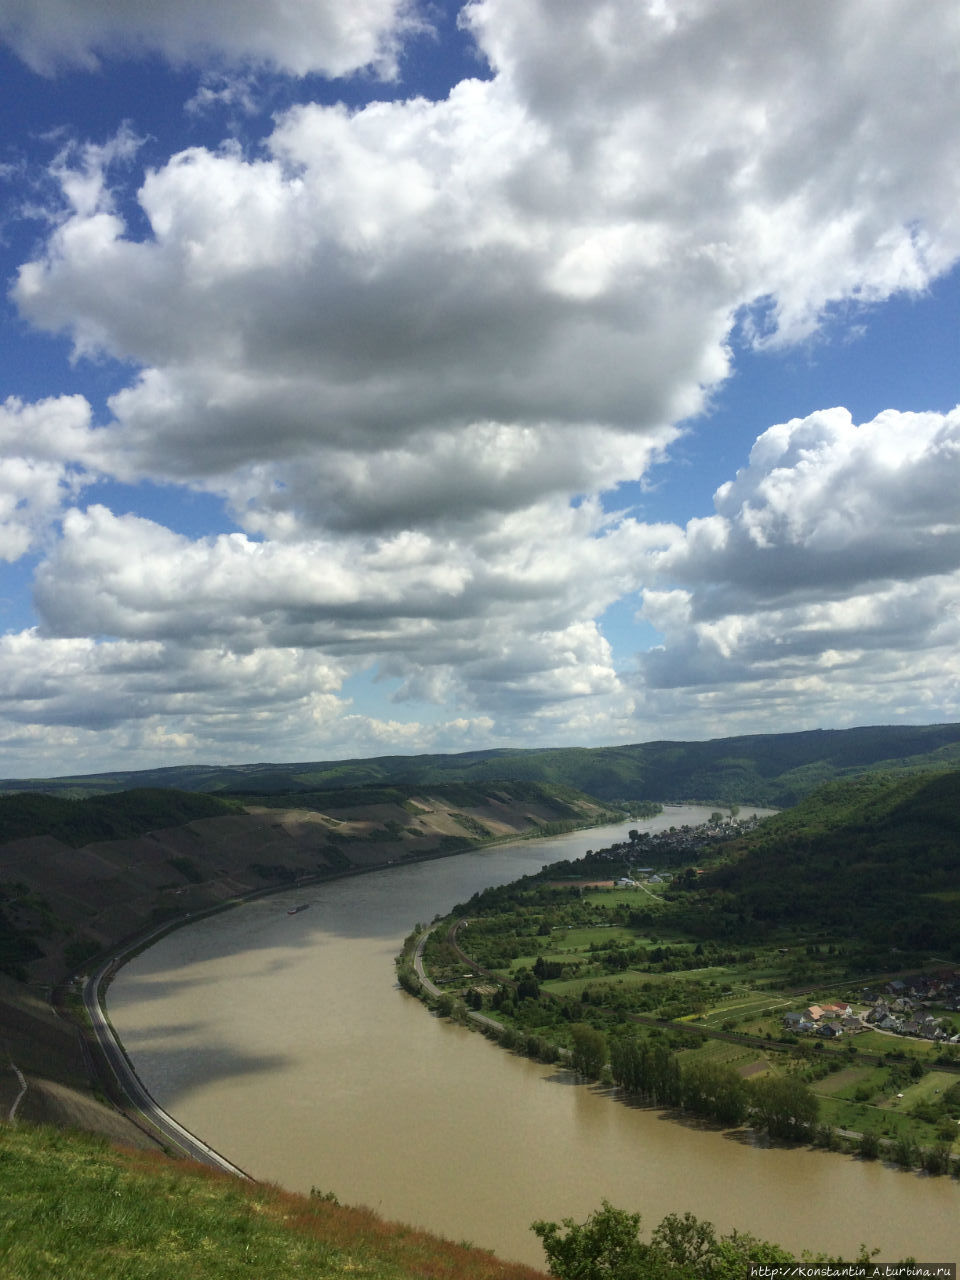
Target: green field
(608, 898)
(706, 971)
(926, 1089)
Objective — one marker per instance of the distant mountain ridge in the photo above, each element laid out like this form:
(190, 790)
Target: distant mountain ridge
(772, 769)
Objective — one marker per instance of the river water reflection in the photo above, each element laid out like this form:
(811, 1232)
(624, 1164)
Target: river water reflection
(283, 1041)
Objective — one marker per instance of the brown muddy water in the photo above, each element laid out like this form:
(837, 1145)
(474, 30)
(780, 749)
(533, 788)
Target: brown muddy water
(284, 1042)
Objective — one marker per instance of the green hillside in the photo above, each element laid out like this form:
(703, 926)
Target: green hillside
(105, 817)
(876, 858)
(772, 769)
(79, 875)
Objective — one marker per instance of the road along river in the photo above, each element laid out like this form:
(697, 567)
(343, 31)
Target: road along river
(283, 1041)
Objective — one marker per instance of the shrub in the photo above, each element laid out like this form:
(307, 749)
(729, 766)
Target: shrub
(906, 1153)
(869, 1146)
(936, 1159)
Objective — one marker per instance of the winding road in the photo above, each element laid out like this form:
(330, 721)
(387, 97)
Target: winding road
(128, 1081)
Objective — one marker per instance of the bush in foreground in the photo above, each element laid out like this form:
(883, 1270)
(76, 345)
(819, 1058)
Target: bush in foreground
(608, 1247)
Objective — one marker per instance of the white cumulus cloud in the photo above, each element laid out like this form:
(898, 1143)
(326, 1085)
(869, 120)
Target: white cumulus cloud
(828, 580)
(566, 245)
(293, 36)
(43, 449)
(412, 345)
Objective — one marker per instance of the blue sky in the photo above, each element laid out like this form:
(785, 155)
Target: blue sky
(397, 377)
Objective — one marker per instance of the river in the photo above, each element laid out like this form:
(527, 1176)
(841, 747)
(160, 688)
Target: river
(284, 1042)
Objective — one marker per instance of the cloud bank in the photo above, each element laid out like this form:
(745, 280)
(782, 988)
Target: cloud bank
(416, 348)
(828, 581)
(293, 36)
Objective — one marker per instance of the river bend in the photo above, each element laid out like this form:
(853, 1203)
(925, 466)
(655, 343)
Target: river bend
(283, 1041)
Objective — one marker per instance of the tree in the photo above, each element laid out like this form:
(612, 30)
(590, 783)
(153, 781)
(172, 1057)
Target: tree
(605, 1247)
(589, 1054)
(715, 1090)
(664, 1085)
(738, 1252)
(628, 1059)
(686, 1241)
(869, 1145)
(527, 986)
(783, 1105)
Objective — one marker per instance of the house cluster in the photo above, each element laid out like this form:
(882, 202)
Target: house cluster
(827, 1020)
(900, 1008)
(678, 844)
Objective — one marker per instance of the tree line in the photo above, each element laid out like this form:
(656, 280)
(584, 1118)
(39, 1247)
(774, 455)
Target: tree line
(782, 1105)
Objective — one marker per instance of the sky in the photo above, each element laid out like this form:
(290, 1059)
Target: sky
(404, 376)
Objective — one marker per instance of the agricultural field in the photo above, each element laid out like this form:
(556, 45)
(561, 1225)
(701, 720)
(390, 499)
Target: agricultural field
(686, 982)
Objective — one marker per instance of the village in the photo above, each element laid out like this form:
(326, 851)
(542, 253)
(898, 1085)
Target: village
(678, 845)
(899, 1010)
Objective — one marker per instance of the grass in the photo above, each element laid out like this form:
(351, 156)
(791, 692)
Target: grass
(882, 1043)
(622, 897)
(738, 1008)
(924, 1090)
(72, 1207)
(574, 986)
(733, 1055)
(889, 1108)
(844, 1083)
(862, 1118)
(580, 939)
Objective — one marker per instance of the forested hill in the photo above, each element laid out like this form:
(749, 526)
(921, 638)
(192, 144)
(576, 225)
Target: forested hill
(876, 858)
(118, 816)
(77, 875)
(772, 769)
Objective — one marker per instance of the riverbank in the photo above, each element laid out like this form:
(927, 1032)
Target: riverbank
(561, 966)
(675, 1103)
(282, 1040)
(66, 902)
(88, 904)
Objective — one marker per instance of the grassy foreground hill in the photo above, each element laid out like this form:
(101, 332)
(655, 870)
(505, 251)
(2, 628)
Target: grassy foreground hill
(75, 1207)
(768, 769)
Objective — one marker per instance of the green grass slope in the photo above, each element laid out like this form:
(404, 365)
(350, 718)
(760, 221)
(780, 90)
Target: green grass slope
(774, 769)
(75, 1208)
